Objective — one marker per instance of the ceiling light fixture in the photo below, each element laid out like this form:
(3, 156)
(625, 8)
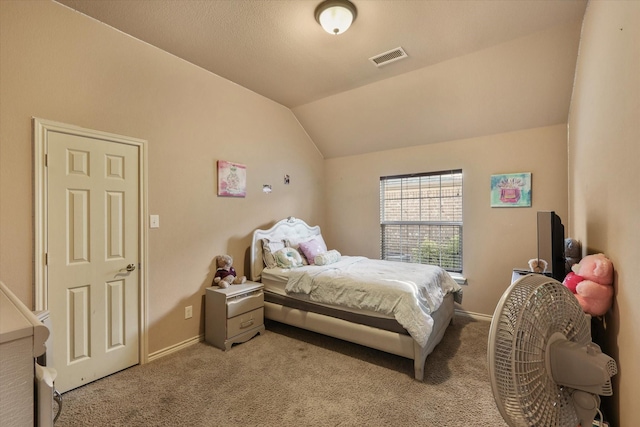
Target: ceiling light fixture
(336, 16)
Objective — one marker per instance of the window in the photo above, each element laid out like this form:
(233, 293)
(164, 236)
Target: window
(421, 218)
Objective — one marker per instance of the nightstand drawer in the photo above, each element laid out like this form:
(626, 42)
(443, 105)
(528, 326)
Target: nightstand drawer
(244, 303)
(244, 322)
(234, 314)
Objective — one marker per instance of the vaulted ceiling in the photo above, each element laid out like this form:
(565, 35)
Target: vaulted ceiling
(473, 67)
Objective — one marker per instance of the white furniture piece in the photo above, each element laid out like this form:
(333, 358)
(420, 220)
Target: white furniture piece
(22, 339)
(279, 309)
(234, 314)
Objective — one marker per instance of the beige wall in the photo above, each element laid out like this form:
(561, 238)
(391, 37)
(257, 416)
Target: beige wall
(496, 240)
(604, 149)
(59, 65)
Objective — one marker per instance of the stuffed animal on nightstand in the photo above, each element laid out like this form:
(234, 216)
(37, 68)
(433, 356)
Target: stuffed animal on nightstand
(591, 281)
(225, 273)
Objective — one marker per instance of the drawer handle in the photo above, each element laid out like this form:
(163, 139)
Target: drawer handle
(242, 298)
(246, 323)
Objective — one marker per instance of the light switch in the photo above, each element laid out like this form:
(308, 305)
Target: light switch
(154, 221)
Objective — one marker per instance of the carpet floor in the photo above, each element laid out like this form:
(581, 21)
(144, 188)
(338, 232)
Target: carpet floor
(292, 377)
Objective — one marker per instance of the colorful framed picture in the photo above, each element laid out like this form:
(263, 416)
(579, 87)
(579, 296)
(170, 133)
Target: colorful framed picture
(511, 190)
(232, 179)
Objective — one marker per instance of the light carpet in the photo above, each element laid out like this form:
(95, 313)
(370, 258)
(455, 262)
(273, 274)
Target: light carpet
(292, 377)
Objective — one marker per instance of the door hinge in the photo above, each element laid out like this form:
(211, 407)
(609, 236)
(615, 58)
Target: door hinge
(46, 259)
(46, 160)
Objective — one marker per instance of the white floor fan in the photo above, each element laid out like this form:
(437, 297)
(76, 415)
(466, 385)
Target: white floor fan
(544, 369)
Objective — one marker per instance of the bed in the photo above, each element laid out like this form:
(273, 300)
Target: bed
(296, 296)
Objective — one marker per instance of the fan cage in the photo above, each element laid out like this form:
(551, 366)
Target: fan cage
(530, 311)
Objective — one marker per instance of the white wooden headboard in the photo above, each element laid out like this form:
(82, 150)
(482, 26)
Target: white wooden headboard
(292, 229)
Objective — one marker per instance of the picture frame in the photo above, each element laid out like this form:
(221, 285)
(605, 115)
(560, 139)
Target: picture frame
(511, 190)
(232, 179)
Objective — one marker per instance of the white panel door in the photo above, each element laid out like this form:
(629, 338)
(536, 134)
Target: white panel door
(93, 256)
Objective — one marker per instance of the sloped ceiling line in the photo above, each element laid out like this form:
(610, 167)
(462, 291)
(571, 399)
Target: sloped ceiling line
(277, 49)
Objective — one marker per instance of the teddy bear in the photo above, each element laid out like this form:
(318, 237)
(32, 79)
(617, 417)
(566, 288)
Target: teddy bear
(591, 282)
(538, 265)
(225, 273)
(572, 252)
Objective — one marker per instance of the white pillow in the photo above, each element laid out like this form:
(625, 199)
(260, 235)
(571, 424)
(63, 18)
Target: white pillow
(288, 258)
(328, 257)
(268, 249)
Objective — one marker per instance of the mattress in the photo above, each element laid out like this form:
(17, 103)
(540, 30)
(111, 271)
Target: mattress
(275, 280)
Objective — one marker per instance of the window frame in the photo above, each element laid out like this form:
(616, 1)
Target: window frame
(454, 263)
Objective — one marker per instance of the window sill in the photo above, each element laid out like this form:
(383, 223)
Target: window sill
(459, 278)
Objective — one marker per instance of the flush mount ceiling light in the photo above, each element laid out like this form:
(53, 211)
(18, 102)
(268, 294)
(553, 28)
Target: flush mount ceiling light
(336, 16)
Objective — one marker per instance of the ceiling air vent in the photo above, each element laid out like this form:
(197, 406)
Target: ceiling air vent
(389, 56)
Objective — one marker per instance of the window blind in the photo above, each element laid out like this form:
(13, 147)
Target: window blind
(421, 218)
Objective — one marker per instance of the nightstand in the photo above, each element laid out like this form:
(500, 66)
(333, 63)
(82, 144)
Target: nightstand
(234, 314)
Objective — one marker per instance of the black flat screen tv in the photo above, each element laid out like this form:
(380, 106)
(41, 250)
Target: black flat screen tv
(551, 243)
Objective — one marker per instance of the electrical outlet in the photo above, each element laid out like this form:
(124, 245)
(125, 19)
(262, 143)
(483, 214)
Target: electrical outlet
(188, 312)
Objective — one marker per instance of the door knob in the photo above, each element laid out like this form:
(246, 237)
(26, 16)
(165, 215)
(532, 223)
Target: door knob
(131, 267)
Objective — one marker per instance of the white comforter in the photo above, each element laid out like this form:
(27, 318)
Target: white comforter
(408, 292)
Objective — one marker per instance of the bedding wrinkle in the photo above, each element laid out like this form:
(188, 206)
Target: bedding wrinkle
(408, 292)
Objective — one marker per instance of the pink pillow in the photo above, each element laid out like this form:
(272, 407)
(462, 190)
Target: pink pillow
(312, 248)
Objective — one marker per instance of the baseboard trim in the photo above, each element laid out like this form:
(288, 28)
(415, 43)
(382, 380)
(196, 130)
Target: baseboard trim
(191, 341)
(475, 316)
(177, 347)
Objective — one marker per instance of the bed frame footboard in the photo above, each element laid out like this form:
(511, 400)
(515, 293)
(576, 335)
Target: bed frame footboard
(390, 342)
(441, 320)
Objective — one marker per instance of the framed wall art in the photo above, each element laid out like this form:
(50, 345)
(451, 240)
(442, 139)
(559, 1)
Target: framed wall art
(511, 190)
(232, 179)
